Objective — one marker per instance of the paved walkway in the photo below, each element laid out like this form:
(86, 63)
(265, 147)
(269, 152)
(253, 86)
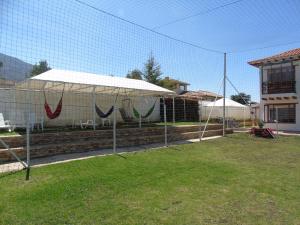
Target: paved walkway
(288, 133)
(16, 166)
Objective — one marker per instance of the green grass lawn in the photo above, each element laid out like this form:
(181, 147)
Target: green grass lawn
(233, 180)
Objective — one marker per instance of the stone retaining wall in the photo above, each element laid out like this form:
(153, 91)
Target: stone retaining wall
(48, 144)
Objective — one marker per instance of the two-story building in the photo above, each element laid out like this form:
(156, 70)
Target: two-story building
(280, 90)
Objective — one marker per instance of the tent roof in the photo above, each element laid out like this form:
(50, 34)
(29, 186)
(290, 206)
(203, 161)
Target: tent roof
(58, 80)
(228, 103)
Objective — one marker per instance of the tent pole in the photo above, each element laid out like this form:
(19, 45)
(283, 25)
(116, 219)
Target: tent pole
(244, 118)
(140, 118)
(173, 110)
(165, 121)
(224, 96)
(94, 110)
(184, 110)
(200, 118)
(140, 121)
(227, 121)
(115, 128)
(277, 131)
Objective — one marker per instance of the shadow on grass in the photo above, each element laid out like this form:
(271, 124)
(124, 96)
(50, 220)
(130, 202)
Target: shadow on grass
(121, 156)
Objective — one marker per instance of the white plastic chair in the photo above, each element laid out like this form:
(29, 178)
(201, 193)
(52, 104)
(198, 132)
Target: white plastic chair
(105, 120)
(88, 123)
(5, 124)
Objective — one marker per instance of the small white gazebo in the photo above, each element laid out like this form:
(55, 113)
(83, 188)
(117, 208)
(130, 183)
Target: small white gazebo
(234, 109)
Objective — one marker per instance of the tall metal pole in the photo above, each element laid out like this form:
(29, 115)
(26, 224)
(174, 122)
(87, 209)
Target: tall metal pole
(28, 147)
(28, 134)
(224, 96)
(165, 121)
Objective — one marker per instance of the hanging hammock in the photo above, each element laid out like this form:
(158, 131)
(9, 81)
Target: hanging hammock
(126, 117)
(150, 111)
(102, 114)
(52, 115)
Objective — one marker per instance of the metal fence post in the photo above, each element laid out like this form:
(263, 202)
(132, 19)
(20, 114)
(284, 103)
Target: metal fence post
(200, 119)
(277, 132)
(28, 148)
(115, 129)
(224, 96)
(28, 134)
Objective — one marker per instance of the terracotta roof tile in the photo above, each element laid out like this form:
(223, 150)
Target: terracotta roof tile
(284, 55)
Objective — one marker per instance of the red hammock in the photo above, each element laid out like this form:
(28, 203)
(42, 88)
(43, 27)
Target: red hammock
(52, 115)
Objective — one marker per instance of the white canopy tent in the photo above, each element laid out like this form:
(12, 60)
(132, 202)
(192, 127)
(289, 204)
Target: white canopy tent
(234, 110)
(71, 81)
(228, 103)
(63, 81)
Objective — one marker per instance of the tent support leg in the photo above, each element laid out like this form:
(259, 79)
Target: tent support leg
(277, 129)
(94, 110)
(165, 121)
(244, 118)
(184, 110)
(140, 121)
(200, 119)
(173, 110)
(114, 130)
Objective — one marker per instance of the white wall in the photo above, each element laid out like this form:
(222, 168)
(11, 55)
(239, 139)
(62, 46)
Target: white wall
(7, 103)
(76, 106)
(237, 113)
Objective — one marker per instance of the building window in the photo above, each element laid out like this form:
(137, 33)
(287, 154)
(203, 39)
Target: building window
(284, 113)
(280, 80)
(284, 73)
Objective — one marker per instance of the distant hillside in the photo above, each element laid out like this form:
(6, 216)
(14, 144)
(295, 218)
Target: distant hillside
(14, 68)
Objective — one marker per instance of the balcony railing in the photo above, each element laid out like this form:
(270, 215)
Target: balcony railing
(279, 87)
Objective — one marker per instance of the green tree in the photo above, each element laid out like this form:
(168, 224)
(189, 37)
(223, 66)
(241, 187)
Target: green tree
(135, 74)
(168, 84)
(152, 71)
(242, 98)
(39, 68)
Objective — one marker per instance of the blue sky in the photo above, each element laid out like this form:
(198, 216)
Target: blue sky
(75, 37)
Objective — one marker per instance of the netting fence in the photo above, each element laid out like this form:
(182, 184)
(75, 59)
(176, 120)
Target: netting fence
(51, 103)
